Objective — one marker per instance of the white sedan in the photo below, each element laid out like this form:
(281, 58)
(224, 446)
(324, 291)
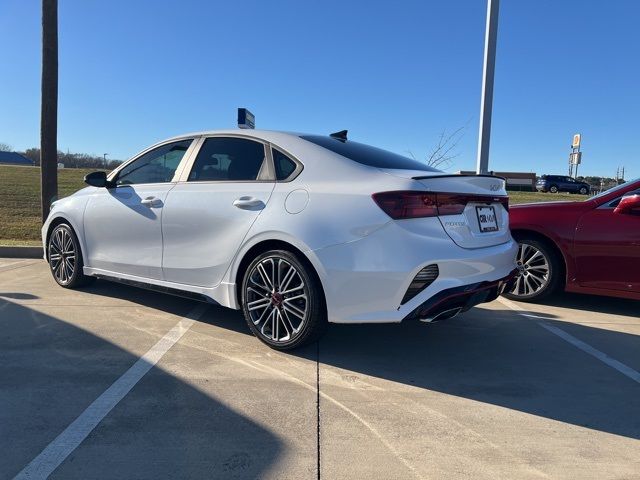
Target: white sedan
(295, 230)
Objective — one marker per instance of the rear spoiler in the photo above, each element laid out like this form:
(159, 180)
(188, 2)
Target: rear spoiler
(424, 177)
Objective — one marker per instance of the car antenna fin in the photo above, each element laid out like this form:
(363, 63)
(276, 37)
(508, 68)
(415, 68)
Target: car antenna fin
(341, 135)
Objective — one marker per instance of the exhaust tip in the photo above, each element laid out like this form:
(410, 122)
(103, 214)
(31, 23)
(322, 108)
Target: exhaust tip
(444, 315)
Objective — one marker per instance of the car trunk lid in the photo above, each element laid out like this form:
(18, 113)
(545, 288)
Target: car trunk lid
(473, 209)
(483, 221)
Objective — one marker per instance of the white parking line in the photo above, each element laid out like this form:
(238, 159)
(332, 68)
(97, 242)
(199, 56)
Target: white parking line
(585, 347)
(64, 444)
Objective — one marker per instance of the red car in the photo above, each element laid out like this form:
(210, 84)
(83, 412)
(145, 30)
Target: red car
(588, 247)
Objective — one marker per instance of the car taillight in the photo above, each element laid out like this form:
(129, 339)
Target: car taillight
(451, 204)
(414, 204)
(407, 204)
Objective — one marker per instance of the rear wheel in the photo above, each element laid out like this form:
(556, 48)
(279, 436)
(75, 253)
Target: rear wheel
(539, 271)
(282, 301)
(553, 189)
(65, 258)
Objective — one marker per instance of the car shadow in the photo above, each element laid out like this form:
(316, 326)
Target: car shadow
(497, 357)
(220, 316)
(18, 296)
(50, 373)
(594, 303)
(487, 355)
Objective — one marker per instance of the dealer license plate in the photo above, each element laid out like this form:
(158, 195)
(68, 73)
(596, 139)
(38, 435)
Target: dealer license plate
(487, 219)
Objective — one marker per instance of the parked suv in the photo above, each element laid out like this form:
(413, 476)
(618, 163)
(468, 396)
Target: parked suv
(560, 183)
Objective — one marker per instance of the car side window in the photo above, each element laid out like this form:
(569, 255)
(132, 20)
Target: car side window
(228, 159)
(283, 164)
(157, 166)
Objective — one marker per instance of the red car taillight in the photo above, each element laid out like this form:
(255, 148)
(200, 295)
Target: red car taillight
(407, 204)
(414, 204)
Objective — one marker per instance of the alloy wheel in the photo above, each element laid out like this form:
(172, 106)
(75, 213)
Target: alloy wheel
(533, 267)
(62, 255)
(277, 299)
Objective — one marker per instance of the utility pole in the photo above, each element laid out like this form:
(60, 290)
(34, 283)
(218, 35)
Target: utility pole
(486, 103)
(49, 107)
(104, 155)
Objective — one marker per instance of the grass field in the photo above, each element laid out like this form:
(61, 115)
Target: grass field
(20, 200)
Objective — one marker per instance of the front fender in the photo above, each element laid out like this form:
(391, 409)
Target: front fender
(71, 211)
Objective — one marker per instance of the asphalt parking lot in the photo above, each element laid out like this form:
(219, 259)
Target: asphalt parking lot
(117, 382)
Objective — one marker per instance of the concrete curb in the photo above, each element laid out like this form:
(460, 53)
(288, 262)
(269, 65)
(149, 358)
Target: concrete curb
(20, 252)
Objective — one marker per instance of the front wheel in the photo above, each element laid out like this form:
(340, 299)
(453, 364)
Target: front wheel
(553, 189)
(282, 301)
(583, 190)
(65, 258)
(539, 271)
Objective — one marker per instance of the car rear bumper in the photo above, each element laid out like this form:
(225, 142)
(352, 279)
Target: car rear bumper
(366, 281)
(461, 299)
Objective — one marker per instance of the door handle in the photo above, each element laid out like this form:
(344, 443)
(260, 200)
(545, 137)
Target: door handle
(151, 202)
(248, 203)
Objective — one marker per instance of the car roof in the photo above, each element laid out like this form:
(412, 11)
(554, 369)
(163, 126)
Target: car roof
(267, 135)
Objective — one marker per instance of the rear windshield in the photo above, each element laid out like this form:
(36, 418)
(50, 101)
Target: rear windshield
(368, 155)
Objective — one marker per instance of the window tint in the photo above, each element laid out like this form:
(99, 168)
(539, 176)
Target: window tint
(368, 155)
(228, 159)
(284, 165)
(157, 166)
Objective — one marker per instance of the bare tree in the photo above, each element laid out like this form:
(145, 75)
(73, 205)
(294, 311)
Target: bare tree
(444, 152)
(5, 147)
(49, 107)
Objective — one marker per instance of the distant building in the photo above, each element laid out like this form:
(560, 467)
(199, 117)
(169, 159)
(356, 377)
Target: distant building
(14, 158)
(515, 180)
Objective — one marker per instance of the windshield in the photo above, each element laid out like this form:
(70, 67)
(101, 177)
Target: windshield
(614, 189)
(368, 155)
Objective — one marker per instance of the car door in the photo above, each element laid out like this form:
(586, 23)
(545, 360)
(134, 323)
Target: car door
(122, 224)
(571, 185)
(212, 208)
(607, 249)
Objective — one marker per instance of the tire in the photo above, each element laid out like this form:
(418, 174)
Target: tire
(553, 189)
(583, 190)
(288, 320)
(539, 277)
(65, 258)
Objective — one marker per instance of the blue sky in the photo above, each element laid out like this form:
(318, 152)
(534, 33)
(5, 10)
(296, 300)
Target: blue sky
(394, 73)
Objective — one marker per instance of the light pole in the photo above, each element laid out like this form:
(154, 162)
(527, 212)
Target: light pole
(486, 103)
(104, 155)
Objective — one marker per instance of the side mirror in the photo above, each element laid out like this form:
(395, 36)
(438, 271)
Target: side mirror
(97, 179)
(629, 204)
